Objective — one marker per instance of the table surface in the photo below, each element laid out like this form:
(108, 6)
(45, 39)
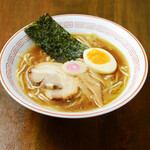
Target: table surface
(127, 128)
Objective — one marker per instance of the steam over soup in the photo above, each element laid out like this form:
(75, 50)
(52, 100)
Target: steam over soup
(90, 79)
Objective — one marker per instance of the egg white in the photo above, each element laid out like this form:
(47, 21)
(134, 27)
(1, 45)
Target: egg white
(106, 68)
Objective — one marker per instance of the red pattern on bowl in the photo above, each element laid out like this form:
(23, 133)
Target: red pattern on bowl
(75, 24)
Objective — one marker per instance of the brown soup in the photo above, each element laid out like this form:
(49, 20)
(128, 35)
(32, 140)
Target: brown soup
(112, 84)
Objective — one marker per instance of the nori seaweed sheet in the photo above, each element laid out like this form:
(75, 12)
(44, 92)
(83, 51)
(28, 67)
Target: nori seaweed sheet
(54, 39)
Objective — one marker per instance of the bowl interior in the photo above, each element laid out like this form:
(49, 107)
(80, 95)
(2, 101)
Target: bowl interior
(107, 30)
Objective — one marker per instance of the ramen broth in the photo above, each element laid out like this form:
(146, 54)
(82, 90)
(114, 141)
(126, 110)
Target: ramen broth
(112, 84)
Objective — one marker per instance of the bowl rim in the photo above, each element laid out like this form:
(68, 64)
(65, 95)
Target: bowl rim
(87, 114)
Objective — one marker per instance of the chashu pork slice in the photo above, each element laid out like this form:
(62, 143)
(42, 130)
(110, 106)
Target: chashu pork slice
(58, 84)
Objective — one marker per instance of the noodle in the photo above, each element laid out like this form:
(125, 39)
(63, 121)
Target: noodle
(21, 81)
(37, 92)
(76, 103)
(21, 63)
(32, 95)
(95, 89)
(43, 97)
(125, 80)
(78, 95)
(82, 40)
(21, 70)
(30, 85)
(115, 86)
(123, 71)
(30, 59)
(108, 77)
(26, 57)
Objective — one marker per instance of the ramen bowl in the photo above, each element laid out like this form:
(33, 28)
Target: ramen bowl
(75, 23)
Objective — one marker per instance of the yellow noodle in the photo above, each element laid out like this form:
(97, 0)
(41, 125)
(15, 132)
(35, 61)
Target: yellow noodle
(82, 40)
(123, 71)
(26, 57)
(32, 95)
(43, 97)
(21, 70)
(21, 81)
(114, 86)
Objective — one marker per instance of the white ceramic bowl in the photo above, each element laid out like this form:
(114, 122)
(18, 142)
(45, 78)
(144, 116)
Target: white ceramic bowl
(76, 23)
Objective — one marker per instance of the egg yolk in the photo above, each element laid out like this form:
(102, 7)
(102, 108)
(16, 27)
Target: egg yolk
(98, 57)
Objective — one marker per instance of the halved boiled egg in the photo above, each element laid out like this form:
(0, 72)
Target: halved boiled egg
(100, 60)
